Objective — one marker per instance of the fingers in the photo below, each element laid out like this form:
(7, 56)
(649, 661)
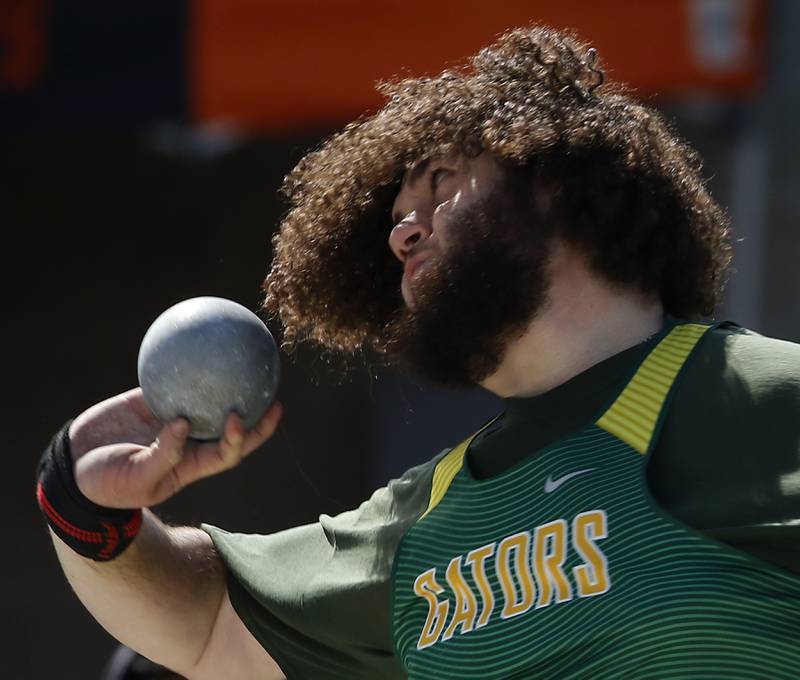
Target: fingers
(147, 472)
(168, 450)
(136, 400)
(231, 444)
(203, 459)
(265, 428)
(167, 453)
(122, 419)
(236, 443)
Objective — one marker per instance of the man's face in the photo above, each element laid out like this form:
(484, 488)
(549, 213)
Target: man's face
(475, 266)
(434, 196)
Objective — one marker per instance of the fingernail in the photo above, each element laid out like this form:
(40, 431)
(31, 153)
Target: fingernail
(180, 428)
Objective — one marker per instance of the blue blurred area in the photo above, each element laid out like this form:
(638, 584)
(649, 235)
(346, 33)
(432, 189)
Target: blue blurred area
(105, 66)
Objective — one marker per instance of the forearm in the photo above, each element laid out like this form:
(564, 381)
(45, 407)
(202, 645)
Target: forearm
(158, 589)
(160, 597)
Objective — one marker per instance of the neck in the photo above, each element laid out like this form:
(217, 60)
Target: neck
(584, 322)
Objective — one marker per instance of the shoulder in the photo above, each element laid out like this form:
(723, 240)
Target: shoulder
(740, 364)
(731, 433)
(397, 505)
(317, 595)
(741, 384)
(381, 519)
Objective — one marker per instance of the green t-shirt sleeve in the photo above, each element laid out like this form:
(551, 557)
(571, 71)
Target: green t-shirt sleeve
(728, 460)
(730, 448)
(317, 597)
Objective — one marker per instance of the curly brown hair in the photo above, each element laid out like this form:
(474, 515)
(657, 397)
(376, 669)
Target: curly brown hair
(625, 189)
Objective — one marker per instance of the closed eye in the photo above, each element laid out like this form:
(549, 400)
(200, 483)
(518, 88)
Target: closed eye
(438, 176)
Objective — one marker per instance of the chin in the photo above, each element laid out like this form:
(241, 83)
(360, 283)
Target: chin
(408, 298)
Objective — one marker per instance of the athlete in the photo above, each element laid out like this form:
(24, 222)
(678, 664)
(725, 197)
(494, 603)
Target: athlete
(522, 225)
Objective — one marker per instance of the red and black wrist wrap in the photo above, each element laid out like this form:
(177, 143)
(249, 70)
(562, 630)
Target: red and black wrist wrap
(91, 530)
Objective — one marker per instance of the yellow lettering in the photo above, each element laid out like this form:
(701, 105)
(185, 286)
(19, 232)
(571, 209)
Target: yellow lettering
(592, 577)
(466, 608)
(515, 603)
(477, 558)
(549, 562)
(427, 587)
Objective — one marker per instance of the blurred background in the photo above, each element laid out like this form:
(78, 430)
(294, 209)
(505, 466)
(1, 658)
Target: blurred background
(142, 146)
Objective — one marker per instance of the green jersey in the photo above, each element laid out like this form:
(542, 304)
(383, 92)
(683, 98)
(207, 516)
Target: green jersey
(559, 561)
(564, 567)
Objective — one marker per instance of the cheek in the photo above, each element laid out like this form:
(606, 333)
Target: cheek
(445, 216)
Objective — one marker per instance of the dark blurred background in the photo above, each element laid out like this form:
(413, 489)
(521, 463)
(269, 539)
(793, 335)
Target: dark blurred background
(142, 146)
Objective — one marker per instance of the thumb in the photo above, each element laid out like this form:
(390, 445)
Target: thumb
(160, 459)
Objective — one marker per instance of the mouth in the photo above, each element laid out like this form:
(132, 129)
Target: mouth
(413, 265)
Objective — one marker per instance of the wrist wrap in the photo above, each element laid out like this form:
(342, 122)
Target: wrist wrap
(91, 530)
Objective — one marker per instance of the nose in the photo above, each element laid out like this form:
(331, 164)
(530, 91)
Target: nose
(407, 233)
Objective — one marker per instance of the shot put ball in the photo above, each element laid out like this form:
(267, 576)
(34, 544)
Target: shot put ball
(205, 357)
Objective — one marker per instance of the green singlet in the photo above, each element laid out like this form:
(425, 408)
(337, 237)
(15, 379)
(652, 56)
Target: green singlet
(563, 566)
(631, 540)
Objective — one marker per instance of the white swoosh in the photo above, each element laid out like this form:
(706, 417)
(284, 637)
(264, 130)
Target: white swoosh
(551, 484)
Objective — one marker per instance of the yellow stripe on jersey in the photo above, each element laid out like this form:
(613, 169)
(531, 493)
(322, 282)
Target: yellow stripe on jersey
(633, 416)
(446, 469)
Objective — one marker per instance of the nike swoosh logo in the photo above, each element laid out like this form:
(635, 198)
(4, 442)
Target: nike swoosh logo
(551, 484)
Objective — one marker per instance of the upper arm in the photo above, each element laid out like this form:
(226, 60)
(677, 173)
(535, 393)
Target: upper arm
(233, 653)
(729, 451)
(316, 596)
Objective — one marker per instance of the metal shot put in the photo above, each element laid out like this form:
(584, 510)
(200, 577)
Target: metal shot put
(204, 358)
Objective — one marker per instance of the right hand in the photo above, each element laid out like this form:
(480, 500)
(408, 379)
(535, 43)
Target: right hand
(126, 458)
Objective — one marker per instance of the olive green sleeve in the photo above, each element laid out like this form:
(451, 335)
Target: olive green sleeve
(317, 596)
(728, 462)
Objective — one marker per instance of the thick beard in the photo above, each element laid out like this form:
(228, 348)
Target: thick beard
(479, 296)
